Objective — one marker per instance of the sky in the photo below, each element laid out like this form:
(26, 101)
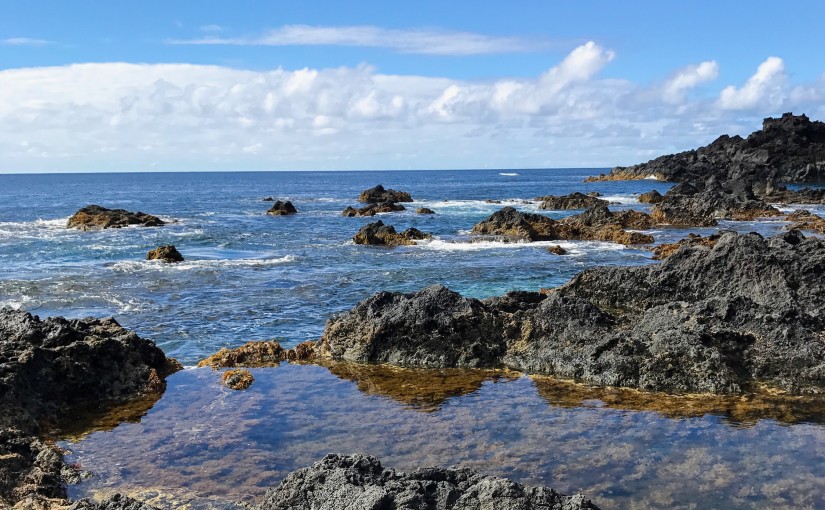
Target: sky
(200, 85)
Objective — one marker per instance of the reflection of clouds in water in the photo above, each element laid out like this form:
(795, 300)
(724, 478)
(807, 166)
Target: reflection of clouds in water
(230, 445)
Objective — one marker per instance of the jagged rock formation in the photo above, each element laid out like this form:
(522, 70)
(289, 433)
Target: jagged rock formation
(360, 482)
(595, 224)
(713, 320)
(651, 197)
(280, 208)
(687, 206)
(806, 220)
(664, 251)
(166, 253)
(378, 234)
(379, 194)
(95, 217)
(574, 200)
(373, 209)
(258, 354)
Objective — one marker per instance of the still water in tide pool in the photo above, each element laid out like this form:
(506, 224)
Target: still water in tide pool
(209, 446)
(248, 276)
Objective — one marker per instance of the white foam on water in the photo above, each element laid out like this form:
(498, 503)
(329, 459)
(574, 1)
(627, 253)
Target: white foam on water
(574, 248)
(622, 199)
(651, 177)
(139, 265)
(478, 204)
(508, 174)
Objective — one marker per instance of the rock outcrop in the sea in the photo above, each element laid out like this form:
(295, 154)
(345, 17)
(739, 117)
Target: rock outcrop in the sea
(255, 354)
(806, 220)
(595, 224)
(718, 320)
(280, 208)
(373, 209)
(789, 149)
(360, 482)
(378, 234)
(664, 251)
(424, 210)
(50, 368)
(557, 250)
(95, 217)
(574, 200)
(166, 253)
(651, 197)
(237, 379)
(686, 205)
(379, 194)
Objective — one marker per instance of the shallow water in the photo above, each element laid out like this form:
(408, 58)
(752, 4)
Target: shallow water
(208, 445)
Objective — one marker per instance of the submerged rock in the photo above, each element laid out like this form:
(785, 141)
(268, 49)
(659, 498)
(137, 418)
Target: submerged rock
(714, 319)
(651, 197)
(574, 200)
(95, 217)
(378, 234)
(166, 253)
(373, 209)
(595, 224)
(282, 209)
(424, 210)
(237, 379)
(360, 482)
(258, 354)
(379, 194)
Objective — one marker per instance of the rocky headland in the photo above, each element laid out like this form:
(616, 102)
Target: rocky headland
(95, 217)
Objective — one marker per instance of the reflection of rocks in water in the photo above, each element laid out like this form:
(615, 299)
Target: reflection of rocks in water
(103, 418)
(422, 389)
(743, 410)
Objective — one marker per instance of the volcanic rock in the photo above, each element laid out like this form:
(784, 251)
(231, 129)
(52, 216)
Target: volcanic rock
(806, 220)
(237, 379)
(379, 194)
(378, 234)
(424, 210)
(687, 206)
(360, 482)
(664, 251)
(557, 250)
(282, 209)
(95, 217)
(258, 354)
(651, 197)
(572, 201)
(373, 209)
(166, 253)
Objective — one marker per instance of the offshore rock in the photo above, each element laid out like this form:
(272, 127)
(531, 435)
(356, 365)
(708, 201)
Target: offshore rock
(95, 217)
(572, 201)
(595, 224)
(714, 319)
(166, 253)
(790, 149)
(360, 482)
(378, 234)
(424, 210)
(266, 353)
(373, 209)
(557, 250)
(651, 197)
(687, 206)
(379, 194)
(282, 209)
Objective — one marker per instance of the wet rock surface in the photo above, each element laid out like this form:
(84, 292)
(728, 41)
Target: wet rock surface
(424, 210)
(115, 502)
(166, 253)
(715, 320)
(266, 353)
(595, 224)
(806, 220)
(95, 217)
(651, 197)
(379, 234)
(686, 205)
(379, 194)
(373, 209)
(237, 379)
(574, 200)
(280, 208)
(360, 482)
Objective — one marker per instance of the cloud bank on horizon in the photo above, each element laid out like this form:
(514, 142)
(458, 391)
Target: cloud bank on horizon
(126, 116)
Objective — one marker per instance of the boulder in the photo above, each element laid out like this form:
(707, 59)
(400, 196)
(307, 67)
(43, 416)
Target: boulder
(166, 253)
(557, 250)
(282, 209)
(360, 482)
(651, 197)
(373, 209)
(95, 217)
(378, 234)
(424, 210)
(237, 379)
(258, 354)
(572, 201)
(379, 194)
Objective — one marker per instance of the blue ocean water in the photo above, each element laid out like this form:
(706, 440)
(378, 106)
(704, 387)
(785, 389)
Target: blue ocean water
(249, 276)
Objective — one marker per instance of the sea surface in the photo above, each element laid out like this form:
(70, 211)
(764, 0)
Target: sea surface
(249, 276)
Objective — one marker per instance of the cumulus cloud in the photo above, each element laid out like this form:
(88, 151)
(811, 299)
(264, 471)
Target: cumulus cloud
(765, 89)
(193, 117)
(421, 41)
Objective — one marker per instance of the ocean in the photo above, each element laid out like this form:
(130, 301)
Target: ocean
(249, 276)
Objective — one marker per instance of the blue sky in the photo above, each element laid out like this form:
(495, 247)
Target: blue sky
(441, 84)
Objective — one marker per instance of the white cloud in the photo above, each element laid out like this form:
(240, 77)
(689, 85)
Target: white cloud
(212, 28)
(765, 89)
(188, 117)
(421, 41)
(23, 41)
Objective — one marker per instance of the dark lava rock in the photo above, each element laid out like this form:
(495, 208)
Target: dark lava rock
(651, 197)
(790, 149)
(166, 253)
(806, 220)
(360, 482)
(687, 206)
(373, 209)
(282, 209)
(258, 354)
(29, 468)
(424, 210)
(237, 379)
(378, 234)
(595, 224)
(557, 250)
(115, 502)
(268, 199)
(95, 217)
(379, 194)
(664, 251)
(572, 201)
(715, 320)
